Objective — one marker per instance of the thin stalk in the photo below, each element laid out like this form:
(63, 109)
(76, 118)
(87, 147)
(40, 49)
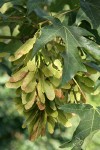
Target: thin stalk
(80, 89)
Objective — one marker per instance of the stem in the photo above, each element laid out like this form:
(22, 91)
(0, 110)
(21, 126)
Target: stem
(59, 14)
(64, 13)
(80, 89)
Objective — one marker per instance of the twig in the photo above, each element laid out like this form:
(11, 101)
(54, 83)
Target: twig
(59, 14)
(80, 89)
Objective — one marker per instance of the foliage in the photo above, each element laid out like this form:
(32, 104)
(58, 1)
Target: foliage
(55, 54)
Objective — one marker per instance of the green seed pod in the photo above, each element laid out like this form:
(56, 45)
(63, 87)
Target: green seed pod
(31, 65)
(31, 100)
(27, 80)
(50, 124)
(14, 85)
(30, 87)
(24, 49)
(40, 93)
(49, 90)
(24, 96)
(51, 112)
(62, 118)
(19, 75)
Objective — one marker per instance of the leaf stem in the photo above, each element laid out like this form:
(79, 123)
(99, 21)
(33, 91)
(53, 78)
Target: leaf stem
(80, 89)
(59, 14)
(65, 12)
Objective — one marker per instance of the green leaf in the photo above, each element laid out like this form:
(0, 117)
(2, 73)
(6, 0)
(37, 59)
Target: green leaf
(90, 120)
(89, 142)
(31, 5)
(70, 36)
(92, 10)
(81, 15)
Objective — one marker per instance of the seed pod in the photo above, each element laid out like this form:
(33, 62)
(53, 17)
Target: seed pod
(91, 70)
(30, 117)
(24, 96)
(27, 80)
(30, 87)
(19, 105)
(62, 118)
(59, 93)
(47, 72)
(51, 112)
(31, 65)
(50, 124)
(19, 62)
(57, 63)
(86, 88)
(71, 97)
(31, 100)
(49, 90)
(36, 130)
(19, 75)
(24, 49)
(55, 72)
(66, 86)
(87, 81)
(55, 81)
(40, 105)
(52, 105)
(40, 93)
(78, 96)
(14, 85)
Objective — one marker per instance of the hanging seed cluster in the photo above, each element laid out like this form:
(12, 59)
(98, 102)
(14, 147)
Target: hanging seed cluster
(36, 82)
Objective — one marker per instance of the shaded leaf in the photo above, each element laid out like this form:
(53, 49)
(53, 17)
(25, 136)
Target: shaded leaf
(90, 120)
(92, 10)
